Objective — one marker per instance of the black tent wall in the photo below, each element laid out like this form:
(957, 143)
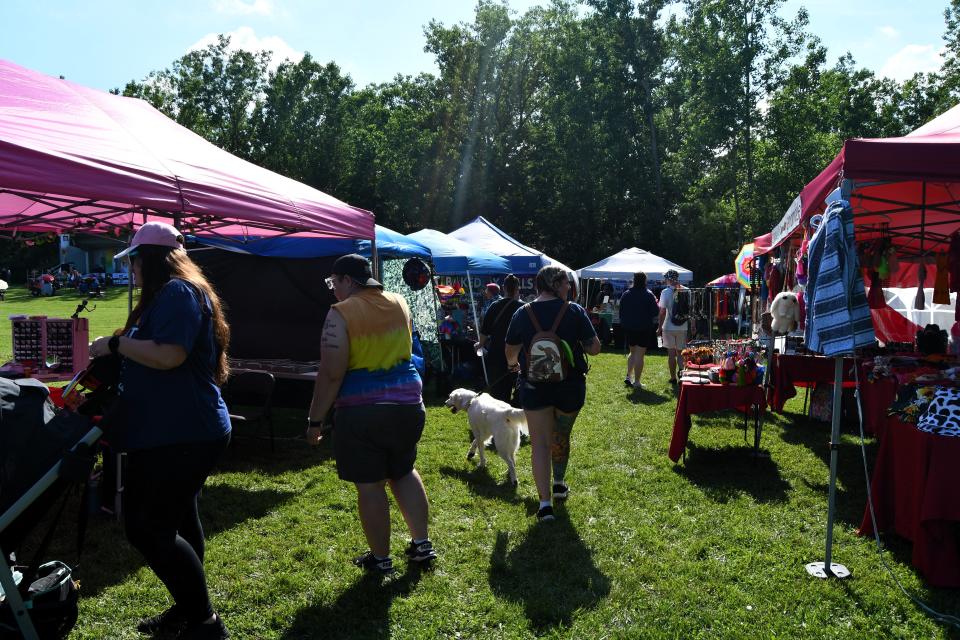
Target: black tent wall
(275, 306)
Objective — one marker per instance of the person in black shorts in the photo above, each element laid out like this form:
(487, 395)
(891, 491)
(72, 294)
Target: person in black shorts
(551, 407)
(493, 334)
(367, 373)
(638, 319)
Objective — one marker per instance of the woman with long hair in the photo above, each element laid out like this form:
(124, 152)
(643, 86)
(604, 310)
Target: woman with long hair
(174, 424)
(551, 405)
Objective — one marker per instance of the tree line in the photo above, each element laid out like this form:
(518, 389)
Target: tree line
(580, 128)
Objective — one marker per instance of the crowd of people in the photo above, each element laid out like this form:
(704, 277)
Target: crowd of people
(174, 346)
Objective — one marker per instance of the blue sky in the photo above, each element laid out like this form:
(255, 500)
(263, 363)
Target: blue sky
(105, 43)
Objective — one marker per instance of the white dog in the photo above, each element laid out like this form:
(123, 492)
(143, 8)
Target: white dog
(491, 417)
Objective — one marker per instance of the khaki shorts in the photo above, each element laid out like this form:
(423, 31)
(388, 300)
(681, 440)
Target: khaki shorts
(674, 340)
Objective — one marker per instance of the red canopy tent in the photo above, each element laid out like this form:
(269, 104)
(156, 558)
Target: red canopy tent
(905, 188)
(77, 159)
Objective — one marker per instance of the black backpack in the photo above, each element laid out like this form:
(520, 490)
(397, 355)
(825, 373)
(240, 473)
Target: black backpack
(680, 311)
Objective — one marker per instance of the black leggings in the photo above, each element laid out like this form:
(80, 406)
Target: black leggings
(161, 518)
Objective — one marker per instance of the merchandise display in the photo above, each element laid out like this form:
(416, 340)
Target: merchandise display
(48, 347)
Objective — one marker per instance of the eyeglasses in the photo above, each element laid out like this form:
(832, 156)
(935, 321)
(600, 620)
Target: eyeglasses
(329, 282)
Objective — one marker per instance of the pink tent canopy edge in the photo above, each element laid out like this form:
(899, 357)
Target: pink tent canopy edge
(72, 157)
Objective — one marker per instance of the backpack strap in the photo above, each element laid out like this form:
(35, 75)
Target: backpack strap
(503, 310)
(533, 318)
(556, 323)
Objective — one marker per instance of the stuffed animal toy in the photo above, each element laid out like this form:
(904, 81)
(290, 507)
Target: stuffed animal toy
(786, 313)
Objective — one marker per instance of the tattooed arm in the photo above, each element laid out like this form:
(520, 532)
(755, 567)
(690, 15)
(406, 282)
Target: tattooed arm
(334, 356)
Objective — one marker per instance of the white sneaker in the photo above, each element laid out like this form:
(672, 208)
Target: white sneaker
(637, 385)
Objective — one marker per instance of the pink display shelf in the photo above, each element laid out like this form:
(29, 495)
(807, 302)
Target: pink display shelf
(37, 339)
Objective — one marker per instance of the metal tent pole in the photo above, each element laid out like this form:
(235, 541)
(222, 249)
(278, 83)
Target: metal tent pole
(476, 324)
(828, 568)
(13, 600)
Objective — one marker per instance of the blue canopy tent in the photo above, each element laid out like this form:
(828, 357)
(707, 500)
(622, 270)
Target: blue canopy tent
(274, 287)
(452, 256)
(390, 244)
(480, 232)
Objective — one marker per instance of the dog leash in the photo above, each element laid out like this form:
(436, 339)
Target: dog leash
(490, 386)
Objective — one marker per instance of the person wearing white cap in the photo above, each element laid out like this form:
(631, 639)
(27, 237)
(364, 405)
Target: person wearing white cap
(175, 424)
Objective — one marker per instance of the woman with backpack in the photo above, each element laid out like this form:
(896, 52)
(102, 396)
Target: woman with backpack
(547, 342)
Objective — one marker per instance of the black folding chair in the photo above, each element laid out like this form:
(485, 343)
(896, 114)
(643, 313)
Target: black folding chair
(249, 398)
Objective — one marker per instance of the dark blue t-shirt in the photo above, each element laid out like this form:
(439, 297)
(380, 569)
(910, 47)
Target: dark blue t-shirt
(638, 310)
(575, 328)
(180, 405)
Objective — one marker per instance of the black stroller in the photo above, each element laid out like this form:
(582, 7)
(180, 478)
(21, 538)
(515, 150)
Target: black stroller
(42, 452)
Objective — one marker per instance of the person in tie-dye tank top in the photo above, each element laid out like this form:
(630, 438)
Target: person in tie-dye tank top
(367, 374)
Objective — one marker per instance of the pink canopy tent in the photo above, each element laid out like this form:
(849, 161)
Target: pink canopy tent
(77, 159)
(727, 281)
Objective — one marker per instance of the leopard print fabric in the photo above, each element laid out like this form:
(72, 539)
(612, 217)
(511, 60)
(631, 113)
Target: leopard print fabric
(942, 416)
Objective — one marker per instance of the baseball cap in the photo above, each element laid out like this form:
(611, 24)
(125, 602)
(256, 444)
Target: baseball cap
(493, 287)
(357, 267)
(156, 233)
(671, 274)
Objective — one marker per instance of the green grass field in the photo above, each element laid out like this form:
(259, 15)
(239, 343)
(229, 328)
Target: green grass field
(644, 548)
(110, 312)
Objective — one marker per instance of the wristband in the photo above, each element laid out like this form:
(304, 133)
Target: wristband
(114, 345)
(315, 424)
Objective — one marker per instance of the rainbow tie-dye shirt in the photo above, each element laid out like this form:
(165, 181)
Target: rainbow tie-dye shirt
(380, 369)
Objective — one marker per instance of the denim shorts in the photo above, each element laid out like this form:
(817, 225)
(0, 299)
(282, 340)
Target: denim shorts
(567, 396)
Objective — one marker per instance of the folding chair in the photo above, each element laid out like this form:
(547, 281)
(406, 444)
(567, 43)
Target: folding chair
(252, 390)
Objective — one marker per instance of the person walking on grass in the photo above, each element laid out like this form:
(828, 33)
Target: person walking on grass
(367, 373)
(639, 320)
(674, 335)
(547, 342)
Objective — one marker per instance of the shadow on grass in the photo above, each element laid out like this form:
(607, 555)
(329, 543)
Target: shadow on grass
(727, 473)
(362, 611)
(109, 558)
(851, 497)
(647, 396)
(551, 572)
(481, 483)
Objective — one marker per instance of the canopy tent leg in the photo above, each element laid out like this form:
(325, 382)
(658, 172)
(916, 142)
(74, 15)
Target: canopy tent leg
(14, 601)
(828, 568)
(476, 324)
(437, 311)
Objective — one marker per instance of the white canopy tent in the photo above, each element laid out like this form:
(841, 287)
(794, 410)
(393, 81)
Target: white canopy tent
(622, 266)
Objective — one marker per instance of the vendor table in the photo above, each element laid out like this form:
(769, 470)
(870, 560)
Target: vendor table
(875, 400)
(790, 369)
(704, 398)
(916, 479)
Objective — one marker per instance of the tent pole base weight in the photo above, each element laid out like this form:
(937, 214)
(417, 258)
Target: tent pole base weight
(819, 570)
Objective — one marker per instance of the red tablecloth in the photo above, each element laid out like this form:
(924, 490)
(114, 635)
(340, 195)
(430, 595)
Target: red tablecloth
(790, 369)
(916, 494)
(704, 398)
(875, 399)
